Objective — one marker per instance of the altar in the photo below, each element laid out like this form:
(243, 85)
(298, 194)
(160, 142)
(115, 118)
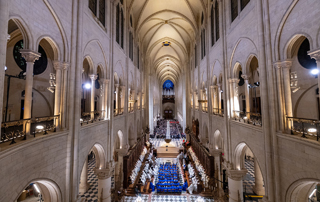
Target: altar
(167, 150)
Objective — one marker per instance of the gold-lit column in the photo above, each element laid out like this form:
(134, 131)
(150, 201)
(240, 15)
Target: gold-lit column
(93, 78)
(117, 99)
(30, 57)
(57, 95)
(64, 95)
(286, 66)
(106, 87)
(247, 94)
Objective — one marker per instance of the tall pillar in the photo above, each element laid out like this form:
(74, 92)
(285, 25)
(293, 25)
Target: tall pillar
(215, 96)
(316, 55)
(104, 184)
(235, 184)
(57, 95)
(4, 16)
(247, 94)
(211, 94)
(106, 88)
(231, 98)
(117, 99)
(30, 57)
(286, 65)
(84, 185)
(277, 65)
(219, 96)
(93, 78)
(63, 113)
(258, 186)
(133, 105)
(122, 104)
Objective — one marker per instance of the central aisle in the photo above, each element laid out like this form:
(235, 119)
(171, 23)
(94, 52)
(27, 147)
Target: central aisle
(168, 130)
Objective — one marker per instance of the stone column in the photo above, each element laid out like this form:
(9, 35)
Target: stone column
(215, 97)
(286, 65)
(277, 65)
(57, 95)
(211, 94)
(104, 184)
(63, 113)
(30, 57)
(4, 38)
(122, 99)
(106, 88)
(217, 153)
(84, 185)
(219, 96)
(258, 187)
(316, 55)
(247, 93)
(235, 184)
(231, 98)
(117, 99)
(93, 78)
(133, 94)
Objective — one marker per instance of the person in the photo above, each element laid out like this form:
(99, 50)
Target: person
(137, 191)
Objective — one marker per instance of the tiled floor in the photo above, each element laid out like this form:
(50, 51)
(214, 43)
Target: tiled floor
(92, 194)
(166, 198)
(133, 198)
(194, 198)
(159, 198)
(248, 181)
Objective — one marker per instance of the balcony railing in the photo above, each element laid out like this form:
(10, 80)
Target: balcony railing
(86, 117)
(307, 128)
(130, 109)
(218, 112)
(205, 109)
(118, 112)
(248, 117)
(12, 130)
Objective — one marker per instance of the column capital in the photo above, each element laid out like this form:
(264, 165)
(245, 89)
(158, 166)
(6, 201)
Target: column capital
(216, 152)
(234, 80)
(214, 86)
(236, 175)
(116, 85)
(103, 173)
(93, 77)
(65, 66)
(29, 55)
(283, 64)
(315, 54)
(245, 77)
(57, 65)
(106, 81)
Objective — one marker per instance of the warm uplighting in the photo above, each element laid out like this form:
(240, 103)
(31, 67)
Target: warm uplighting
(87, 86)
(314, 72)
(312, 130)
(36, 187)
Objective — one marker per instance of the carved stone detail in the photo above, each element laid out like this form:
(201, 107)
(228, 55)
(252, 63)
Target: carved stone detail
(237, 175)
(29, 55)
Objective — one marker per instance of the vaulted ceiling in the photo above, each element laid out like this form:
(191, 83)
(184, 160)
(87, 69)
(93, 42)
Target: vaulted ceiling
(159, 21)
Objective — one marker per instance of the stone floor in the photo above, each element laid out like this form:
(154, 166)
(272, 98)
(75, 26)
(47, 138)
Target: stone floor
(92, 194)
(165, 198)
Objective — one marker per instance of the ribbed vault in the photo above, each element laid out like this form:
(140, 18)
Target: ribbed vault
(159, 21)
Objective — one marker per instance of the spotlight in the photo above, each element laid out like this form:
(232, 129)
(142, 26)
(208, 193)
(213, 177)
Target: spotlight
(257, 83)
(40, 127)
(5, 68)
(312, 130)
(36, 187)
(87, 86)
(314, 72)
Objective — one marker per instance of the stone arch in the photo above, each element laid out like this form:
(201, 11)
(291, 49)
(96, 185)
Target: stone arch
(119, 140)
(241, 150)
(131, 136)
(56, 53)
(100, 71)
(49, 190)
(24, 30)
(293, 45)
(214, 80)
(236, 69)
(301, 189)
(217, 140)
(88, 65)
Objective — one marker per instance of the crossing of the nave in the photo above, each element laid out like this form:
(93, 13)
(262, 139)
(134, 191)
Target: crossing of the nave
(159, 100)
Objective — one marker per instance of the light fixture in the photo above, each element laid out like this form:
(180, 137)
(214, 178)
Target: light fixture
(312, 130)
(315, 71)
(81, 120)
(245, 118)
(5, 68)
(312, 193)
(40, 127)
(36, 187)
(257, 83)
(87, 85)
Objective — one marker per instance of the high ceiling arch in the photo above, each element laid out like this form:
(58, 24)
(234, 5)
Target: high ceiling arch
(167, 31)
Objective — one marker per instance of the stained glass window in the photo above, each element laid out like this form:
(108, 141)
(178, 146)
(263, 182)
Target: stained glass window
(234, 9)
(39, 66)
(212, 26)
(216, 12)
(102, 12)
(244, 3)
(93, 6)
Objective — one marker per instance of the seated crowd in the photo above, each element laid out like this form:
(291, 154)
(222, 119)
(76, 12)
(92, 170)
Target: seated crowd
(168, 179)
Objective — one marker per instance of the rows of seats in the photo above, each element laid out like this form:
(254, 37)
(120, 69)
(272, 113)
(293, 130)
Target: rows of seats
(168, 179)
